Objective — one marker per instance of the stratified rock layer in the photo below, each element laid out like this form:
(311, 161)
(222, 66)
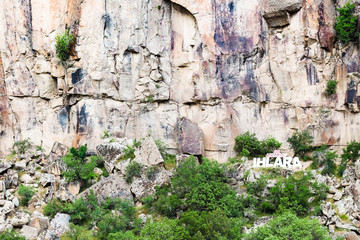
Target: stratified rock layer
(227, 66)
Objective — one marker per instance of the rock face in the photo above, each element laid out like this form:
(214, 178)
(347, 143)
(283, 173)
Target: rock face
(227, 66)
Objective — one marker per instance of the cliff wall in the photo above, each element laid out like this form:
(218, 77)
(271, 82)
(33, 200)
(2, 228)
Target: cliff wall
(210, 68)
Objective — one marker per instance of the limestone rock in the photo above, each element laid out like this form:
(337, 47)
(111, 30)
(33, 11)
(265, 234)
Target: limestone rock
(20, 165)
(113, 186)
(59, 225)
(110, 152)
(352, 236)
(191, 138)
(30, 233)
(46, 179)
(277, 14)
(20, 218)
(7, 207)
(39, 221)
(26, 179)
(4, 166)
(147, 153)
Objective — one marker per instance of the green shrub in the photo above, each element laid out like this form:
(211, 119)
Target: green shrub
(26, 193)
(330, 88)
(346, 24)
(212, 225)
(168, 229)
(301, 142)
(21, 146)
(167, 205)
(53, 207)
(78, 233)
(77, 166)
(122, 236)
(132, 170)
(11, 235)
(289, 226)
(151, 172)
(350, 155)
(63, 45)
(248, 145)
(329, 163)
(257, 187)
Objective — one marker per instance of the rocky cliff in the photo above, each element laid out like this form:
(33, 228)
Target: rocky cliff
(208, 68)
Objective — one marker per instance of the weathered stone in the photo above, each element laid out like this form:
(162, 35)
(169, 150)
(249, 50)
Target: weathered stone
(16, 201)
(20, 218)
(110, 152)
(113, 186)
(74, 187)
(276, 13)
(39, 221)
(7, 207)
(191, 138)
(351, 236)
(26, 179)
(147, 153)
(20, 165)
(30, 233)
(46, 179)
(4, 166)
(59, 225)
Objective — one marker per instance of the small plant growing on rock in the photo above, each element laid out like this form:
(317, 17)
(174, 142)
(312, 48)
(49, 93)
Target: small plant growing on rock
(350, 155)
(63, 45)
(22, 146)
(301, 142)
(78, 168)
(346, 24)
(330, 88)
(106, 134)
(26, 193)
(132, 170)
(151, 172)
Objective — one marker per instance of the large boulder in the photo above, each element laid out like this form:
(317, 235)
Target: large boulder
(147, 153)
(113, 186)
(30, 233)
(277, 13)
(191, 138)
(39, 221)
(20, 218)
(59, 225)
(110, 152)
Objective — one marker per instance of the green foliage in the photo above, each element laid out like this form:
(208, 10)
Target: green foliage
(168, 229)
(53, 207)
(122, 236)
(289, 226)
(212, 225)
(129, 151)
(77, 167)
(167, 205)
(346, 24)
(350, 155)
(301, 142)
(106, 134)
(257, 187)
(151, 172)
(63, 45)
(11, 235)
(78, 233)
(293, 194)
(330, 88)
(325, 158)
(132, 170)
(248, 145)
(21, 146)
(25, 193)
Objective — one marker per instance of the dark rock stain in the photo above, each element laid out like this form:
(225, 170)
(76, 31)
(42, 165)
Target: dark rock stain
(63, 118)
(312, 76)
(78, 75)
(82, 119)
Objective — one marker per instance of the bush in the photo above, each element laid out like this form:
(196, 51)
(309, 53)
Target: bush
(301, 142)
(132, 170)
(77, 167)
(346, 24)
(289, 226)
(166, 229)
(257, 187)
(351, 153)
(248, 145)
(26, 193)
(324, 158)
(11, 235)
(22, 146)
(212, 225)
(63, 45)
(330, 88)
(53, 207)
(78, 233)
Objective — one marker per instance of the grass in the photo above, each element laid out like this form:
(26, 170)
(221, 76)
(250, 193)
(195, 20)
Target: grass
(170, 161)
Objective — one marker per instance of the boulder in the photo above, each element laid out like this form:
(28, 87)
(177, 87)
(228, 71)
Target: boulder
(16, 201)
(56, 167)
(20, 218)
(74, 187)
(121, 166)
(30, 233)
(46, 179)
(59, 149)
(327, 210)
(11, 179)
(277, 13)
(7, 207)
(4, 166)
(20, 165)
(39, 221)
(142, 186)
(147, 153)
(113, 186)
(191, 138)
(2, 190)
(110, 152)
(26, 179)
(59, 225)
(352, 236)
